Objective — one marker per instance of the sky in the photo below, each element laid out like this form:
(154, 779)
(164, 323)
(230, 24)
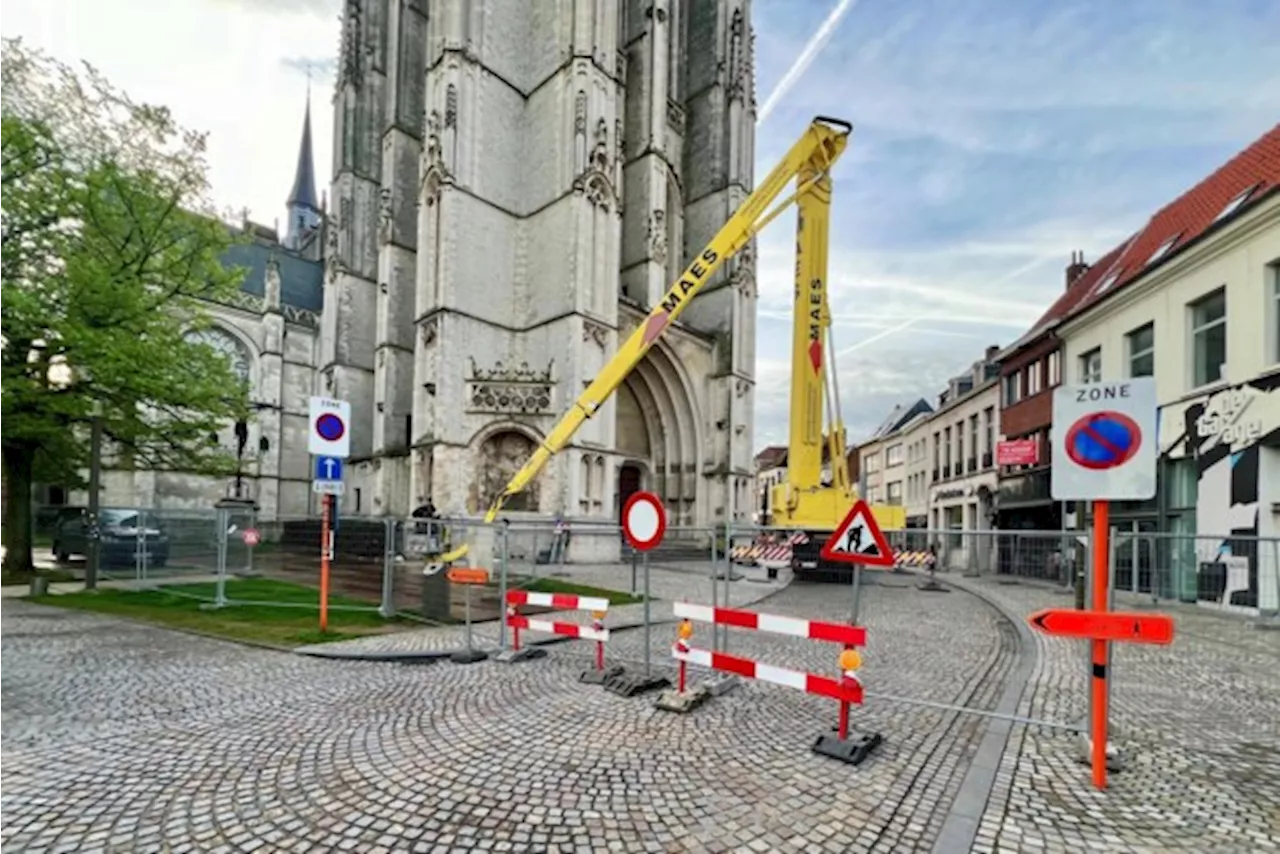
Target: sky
(992, 139)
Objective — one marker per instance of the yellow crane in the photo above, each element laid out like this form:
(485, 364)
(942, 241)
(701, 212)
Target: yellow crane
(804, 501)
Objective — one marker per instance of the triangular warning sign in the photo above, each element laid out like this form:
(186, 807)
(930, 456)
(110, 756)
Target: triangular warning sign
(858, 539)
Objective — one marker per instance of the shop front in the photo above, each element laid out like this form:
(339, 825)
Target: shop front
(962, 516)
(1220, 497)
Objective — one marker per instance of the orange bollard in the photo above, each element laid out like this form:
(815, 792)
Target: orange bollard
(683, 634)
(850, 661)
(515, 630)
(597, 623)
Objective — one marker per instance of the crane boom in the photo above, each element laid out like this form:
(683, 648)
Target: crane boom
(809, 162)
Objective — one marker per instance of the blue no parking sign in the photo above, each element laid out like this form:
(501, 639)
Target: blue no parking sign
(1104, 441)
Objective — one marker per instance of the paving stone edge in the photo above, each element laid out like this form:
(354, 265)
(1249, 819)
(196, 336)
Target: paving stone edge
(960, 828)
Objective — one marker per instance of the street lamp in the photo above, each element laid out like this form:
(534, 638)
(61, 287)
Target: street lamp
(60, 375)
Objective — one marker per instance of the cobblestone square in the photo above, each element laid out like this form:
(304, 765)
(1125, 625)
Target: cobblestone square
(124, 737)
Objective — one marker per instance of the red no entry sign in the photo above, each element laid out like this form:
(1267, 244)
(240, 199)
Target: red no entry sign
(644, 521)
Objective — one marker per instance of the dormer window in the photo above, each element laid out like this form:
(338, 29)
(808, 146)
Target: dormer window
(1235, 204)
(1163, 249)
(1105, 284)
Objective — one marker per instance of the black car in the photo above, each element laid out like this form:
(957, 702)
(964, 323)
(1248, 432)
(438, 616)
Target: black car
(121, 543)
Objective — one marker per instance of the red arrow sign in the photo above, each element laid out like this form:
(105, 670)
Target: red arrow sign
(1111, 626)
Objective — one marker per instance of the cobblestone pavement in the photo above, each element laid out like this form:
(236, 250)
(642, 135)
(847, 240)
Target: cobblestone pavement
(1199, 722)
(668, 583)
(123, 737)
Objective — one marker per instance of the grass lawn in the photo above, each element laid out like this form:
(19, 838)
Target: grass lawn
(556, 585)
(288, 616)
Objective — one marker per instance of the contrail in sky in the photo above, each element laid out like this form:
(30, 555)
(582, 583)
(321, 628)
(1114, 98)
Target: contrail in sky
(810, 52)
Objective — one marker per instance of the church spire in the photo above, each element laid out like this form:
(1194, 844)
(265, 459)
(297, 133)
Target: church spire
(304, 208)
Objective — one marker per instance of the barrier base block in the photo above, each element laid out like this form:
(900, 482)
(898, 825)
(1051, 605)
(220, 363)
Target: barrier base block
(684, 702)
(468, 656)
(723, 685)
(599, 677)
(852, 750)
(633, 684)
(1084, 754)
(528, 653)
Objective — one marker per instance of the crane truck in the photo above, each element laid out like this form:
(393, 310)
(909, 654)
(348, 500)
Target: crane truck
(806, 504)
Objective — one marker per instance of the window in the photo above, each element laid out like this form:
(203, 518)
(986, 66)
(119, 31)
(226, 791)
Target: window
(1273, 270)
(1055, 368)
(895, 492)
(989, 427)
(946, 453)
(893, 456)
(1234, 204)
(1105, 284)
(872, 462)
(1091, 366)
(1012, 388)
(973, 437)
(1142, 351)
(1163, 249)
(1033, 379)
(1208, 338)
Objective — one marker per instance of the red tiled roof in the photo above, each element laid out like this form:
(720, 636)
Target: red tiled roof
(773, 455)
(1255, 170)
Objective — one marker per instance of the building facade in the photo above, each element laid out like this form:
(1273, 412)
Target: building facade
(1199, 310)
(1030, 369)
(771, 471)
(513, 190)
(963, 481)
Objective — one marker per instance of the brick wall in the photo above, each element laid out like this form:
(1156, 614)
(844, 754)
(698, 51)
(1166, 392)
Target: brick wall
(1030, 413)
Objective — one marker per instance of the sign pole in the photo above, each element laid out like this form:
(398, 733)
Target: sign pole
(324, 562)
(648, 653)
(1101, 586)
(857, 594)
(644, 523)
(466, 612)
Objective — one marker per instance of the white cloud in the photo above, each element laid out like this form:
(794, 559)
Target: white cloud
(219, 65)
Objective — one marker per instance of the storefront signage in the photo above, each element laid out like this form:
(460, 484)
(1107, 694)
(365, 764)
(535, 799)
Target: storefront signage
(1018, 452)
(1221, 419)
(944, 494)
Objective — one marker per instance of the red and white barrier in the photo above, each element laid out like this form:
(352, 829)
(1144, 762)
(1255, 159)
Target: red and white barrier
(793, 626)
(564, 602)
(846, 689)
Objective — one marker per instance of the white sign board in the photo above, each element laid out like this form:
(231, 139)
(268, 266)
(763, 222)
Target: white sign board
(328, 487)
(1104, 441)
(329, 428)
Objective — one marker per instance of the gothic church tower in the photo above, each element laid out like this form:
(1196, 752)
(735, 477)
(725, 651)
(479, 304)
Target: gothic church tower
(515, 184)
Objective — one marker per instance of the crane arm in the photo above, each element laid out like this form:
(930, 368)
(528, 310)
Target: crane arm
(822, 143)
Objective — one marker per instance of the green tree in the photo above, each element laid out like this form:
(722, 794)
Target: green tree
(111, 258)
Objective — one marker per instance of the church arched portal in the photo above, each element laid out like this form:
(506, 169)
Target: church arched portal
(657, 426)
(501, 455)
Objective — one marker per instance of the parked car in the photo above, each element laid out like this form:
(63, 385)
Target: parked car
(120, 543)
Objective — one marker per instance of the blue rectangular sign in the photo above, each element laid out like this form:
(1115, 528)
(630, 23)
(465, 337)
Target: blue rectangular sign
(328, 468)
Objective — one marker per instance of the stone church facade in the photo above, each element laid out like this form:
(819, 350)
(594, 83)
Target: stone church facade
(515, 185)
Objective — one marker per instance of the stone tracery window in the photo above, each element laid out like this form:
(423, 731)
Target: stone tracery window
(226, 345)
